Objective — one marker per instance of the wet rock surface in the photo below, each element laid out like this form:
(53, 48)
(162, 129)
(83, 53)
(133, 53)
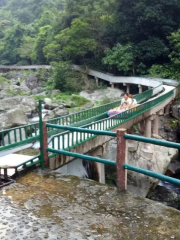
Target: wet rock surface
(52, 206)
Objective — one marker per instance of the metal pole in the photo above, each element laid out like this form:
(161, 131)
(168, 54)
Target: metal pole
(41, 135)
(86, 157)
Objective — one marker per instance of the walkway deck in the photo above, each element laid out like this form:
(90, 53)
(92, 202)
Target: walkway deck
(13, 160)
(30, 67)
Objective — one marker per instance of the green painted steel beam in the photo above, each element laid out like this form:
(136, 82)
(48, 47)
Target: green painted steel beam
(85, 157)
(152, 141)
(152, 174)
(85, 130)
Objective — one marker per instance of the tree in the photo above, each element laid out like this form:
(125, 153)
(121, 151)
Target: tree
(42, 39)
(72, 43)
(147, 24)
(120, 56)
(175, 45)
(26, 48)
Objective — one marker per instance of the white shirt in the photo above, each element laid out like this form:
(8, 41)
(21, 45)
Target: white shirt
(128, 101)
(134, 101)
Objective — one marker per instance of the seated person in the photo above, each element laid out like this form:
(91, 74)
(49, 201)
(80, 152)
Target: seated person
(125, 99)
(133, 101)
(124, 106)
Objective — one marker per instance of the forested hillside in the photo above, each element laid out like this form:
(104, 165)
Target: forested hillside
(129, 37)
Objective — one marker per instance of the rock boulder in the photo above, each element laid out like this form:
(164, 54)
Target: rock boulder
(13, 118)
(26, 104)
(32, 82)
(59, 112)
(98, 95)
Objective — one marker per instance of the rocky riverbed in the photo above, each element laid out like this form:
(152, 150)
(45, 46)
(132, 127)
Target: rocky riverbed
(52, 206)
(20, 92)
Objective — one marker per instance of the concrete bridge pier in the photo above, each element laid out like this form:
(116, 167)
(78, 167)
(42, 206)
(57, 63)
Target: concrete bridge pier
(97, 81)
(156, 124)
(167, 109)
(112, 85)
(142, 126)
(127, 87)
(98, 152)
(140, 88)
(148, 127)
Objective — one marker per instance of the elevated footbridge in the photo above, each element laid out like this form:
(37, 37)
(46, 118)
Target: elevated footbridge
(162, 93)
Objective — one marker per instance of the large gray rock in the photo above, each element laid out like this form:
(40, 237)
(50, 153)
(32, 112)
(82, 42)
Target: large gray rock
(48, 101)
(13, 118)
(4, 85)
(32, 82)
(20, 89)
(26, 104)
(37, 90)
(165, 196)
(59, 112)
(154, 158)
(98, 95)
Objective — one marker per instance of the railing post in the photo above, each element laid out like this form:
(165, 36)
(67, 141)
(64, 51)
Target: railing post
(41, 135)
(45, 145)
(121, 159)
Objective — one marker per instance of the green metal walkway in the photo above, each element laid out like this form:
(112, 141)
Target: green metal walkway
(94, 118)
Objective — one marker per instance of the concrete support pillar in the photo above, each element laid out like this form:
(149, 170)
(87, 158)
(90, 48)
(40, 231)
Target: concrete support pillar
(121, 159)
(161, 112)
(156, 125)
(142, 126)
(149, 87)
(97, 81)
(112, 85)
(101, 171)
(98, 152)
(140, 88)
(148, 127)
(128, 88)
(167, 109)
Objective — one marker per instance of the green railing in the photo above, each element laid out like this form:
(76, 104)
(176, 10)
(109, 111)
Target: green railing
(15, 137)
(113, 163)
(68, 140)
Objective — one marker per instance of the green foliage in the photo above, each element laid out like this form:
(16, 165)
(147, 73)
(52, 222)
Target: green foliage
(78, 100)
(164, 71)
(2, 79)
(68, 97)
(174, 123)
(65, 78)
(126, 37)
(120, 56)
(26, 48)
(175, 44)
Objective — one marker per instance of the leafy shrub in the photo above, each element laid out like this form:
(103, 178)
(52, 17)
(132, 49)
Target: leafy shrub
(78, 100)
(65, 78)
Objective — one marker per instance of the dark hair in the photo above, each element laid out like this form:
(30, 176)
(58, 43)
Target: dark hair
(125, 93)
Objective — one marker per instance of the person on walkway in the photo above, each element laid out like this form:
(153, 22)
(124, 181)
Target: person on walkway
(126, 100)
(133, 101)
